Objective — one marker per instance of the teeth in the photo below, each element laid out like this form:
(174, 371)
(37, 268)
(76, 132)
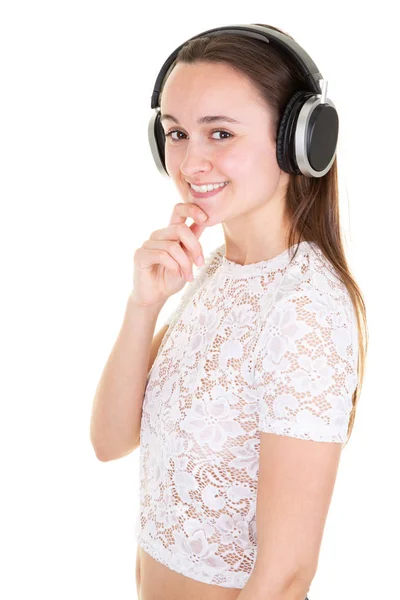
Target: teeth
(207, 188)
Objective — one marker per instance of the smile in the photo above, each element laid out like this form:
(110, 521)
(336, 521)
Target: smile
(213, 192)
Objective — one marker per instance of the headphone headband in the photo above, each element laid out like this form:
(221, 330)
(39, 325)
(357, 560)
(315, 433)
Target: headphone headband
(308, 129)
(265, 34)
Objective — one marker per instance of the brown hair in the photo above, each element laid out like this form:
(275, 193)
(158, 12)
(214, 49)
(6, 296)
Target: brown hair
(311, 203)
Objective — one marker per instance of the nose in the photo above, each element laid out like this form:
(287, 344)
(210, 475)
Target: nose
(195, 160)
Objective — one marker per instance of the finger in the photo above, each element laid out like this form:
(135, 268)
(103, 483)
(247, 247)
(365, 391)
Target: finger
(175, 251)
(185, 210)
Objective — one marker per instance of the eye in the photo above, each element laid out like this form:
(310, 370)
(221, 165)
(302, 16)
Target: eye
(169, 134)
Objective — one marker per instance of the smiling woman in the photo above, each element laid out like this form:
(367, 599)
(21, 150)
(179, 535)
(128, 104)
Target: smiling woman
(245, 157)
(255, 384)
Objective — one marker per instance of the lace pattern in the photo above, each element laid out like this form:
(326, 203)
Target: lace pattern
(268, 347)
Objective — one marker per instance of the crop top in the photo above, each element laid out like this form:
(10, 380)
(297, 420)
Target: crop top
(264, 347)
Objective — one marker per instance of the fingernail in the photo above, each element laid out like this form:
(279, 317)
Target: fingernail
(199, 261)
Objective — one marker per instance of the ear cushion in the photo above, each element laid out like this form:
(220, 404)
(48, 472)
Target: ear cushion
(159, 137)
(285, 147)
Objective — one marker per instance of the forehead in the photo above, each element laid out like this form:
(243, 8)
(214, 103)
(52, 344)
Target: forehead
(211, 87)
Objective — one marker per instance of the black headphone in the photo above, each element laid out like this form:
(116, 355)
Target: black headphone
(308, 130)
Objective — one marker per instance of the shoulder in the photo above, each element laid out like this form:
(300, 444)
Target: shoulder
(311, 277)
(307, 354)
(310, 312)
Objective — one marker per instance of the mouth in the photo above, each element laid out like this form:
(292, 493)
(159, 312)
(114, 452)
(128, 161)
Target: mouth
(206, 194)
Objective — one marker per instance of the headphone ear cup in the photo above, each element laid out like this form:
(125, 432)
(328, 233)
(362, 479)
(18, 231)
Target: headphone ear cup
(285, 141)
(160, 139)
(157, 142)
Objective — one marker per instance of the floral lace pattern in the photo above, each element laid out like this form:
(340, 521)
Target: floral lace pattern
(265, 347)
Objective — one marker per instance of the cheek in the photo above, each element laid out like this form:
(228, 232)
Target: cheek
(252, 166)
(234, 163)
(265, 165)
(172, 161)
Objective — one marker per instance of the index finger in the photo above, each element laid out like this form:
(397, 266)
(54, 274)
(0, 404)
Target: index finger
(183, 211)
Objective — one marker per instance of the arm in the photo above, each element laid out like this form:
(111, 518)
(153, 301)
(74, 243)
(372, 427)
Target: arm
(307, 369)
(257, 589)
(117, 405)
(295, 487)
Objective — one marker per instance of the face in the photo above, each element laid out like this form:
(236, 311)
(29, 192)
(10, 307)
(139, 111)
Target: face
(242, 153)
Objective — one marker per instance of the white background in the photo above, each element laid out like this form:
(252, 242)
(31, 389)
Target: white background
(80, 193)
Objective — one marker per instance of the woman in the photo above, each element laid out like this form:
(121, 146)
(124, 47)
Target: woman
(257, 373)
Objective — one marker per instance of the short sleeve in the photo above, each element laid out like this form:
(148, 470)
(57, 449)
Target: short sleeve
(306, 368)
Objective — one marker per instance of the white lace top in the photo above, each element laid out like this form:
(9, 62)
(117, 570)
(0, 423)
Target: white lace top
(264, 347)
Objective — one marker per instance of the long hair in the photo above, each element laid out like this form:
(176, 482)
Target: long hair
(312, 204)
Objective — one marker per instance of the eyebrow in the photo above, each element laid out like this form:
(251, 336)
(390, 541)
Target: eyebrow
(207, 119)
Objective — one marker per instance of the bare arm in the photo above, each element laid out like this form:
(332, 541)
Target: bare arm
(296, 480)
(117, 405)
(160, 265)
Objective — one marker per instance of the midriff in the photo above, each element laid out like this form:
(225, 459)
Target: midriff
(154, 581)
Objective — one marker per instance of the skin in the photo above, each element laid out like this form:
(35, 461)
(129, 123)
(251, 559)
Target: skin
(251, 208)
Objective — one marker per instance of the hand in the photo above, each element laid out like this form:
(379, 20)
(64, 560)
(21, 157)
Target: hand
(165, 260)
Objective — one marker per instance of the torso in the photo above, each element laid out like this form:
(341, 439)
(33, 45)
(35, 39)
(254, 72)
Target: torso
(200, 428)
(154, 581)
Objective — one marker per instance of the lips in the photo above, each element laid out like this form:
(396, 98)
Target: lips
(210, 183)
(207, 194)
